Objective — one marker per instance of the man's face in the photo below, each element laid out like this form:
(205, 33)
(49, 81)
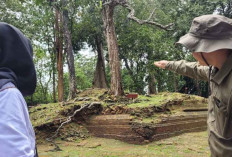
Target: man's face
(199, 58)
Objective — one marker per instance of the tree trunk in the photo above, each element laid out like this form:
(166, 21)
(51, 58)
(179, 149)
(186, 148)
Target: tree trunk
(197, 84)
(53, 59)
(70, 55)
(152, 84)
(59, 49)
(109, 30)
(175, 82)
(99, 80)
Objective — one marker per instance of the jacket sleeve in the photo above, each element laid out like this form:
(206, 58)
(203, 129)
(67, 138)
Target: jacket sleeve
(14, 133)
(190, 69)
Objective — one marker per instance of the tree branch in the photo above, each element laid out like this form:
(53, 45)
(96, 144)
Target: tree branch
(131, 16)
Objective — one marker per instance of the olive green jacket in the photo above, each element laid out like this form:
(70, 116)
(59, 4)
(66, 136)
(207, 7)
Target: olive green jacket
(220, 102)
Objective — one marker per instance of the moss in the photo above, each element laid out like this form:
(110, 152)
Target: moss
(144, 101)
(47, 113)
(161, 98)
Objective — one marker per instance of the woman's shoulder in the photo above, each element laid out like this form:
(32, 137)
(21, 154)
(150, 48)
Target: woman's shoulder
(9, 90)
(11, 99)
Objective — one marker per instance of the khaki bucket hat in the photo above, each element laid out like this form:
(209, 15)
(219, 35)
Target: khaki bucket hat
(208, 33)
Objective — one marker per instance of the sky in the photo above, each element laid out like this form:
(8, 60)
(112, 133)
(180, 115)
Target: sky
(87, 51)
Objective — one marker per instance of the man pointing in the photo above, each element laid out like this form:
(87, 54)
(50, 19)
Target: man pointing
(210, 41)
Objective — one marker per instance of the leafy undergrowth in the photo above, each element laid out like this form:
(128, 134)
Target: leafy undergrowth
(178, 146)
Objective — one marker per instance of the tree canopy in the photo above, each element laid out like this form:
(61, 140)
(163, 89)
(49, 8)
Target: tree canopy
(82, 26)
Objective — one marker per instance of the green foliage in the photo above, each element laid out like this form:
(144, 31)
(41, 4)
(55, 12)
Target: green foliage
(100, 4)
(43, 66)
(85, 68)
(139, 45)
(224, 8)
(84, 74)
(89, 28)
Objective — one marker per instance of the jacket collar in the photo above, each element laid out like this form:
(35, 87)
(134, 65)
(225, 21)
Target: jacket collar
(223, 72)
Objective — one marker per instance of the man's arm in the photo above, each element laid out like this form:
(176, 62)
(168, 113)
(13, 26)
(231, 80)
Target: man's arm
(190, 69)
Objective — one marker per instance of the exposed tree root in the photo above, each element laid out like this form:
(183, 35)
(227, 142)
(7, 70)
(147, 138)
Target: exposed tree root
(69, 119)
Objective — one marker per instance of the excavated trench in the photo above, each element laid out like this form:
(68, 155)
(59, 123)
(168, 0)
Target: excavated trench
(142, 121)
(124, 127)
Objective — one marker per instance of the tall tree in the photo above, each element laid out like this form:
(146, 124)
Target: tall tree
(89, 30)
(109, 29)
(99, 80)
(116, 79)
(59, 52)
(69, 52)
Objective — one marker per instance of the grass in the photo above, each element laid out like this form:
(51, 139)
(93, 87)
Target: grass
(46, 113)
(147, 101)
(178, 146)
(161, 98)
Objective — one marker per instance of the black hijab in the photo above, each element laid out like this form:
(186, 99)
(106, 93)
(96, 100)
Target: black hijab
(16, 63)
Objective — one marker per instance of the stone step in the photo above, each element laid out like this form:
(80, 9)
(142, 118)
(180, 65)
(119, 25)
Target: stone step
(121, 119)
(183, 118)
(177, 126)
(137, 139)
(138, 129)
(111, 129)
(164, 135)
(114, 117)
(110, 122)
(122, 127)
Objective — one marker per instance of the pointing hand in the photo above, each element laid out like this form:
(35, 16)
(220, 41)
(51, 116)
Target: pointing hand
(161, 64)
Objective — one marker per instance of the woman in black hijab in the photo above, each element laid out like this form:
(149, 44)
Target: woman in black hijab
(17, 79)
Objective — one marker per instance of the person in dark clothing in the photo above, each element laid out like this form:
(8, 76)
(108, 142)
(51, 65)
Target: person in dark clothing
(17, 79)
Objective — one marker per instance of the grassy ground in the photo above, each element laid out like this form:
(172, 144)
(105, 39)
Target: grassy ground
(161, 98)
(185, 145)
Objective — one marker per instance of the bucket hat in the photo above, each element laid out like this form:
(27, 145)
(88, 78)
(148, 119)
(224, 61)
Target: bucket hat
(208, 33)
